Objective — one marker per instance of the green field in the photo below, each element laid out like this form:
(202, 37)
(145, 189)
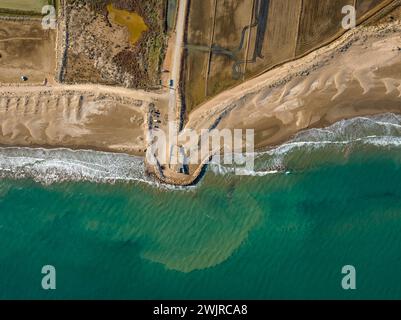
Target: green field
(34, 6)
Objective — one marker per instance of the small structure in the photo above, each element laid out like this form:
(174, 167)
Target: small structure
(24, 78)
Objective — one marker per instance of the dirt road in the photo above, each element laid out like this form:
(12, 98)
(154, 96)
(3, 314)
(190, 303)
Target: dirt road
(92, 88)
(177, 58)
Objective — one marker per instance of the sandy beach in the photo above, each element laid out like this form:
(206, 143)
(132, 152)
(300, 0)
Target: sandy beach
(76, 117)
(356, 75)
(359, 74)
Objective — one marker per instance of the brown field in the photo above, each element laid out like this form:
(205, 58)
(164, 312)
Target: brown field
(26, 49)
(280, 38)
(363, 6)
(320, 21)
(231, 18)
(200, 22)
(25, 7)
(394, 14)
(218, 23)
(220, 76)
(200, 25)
(195, 74)
(281, 30)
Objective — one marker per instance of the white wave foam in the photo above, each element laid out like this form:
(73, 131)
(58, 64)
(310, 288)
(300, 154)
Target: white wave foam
(56, 165)
(220, 169)
(381, 131)
(48, 166)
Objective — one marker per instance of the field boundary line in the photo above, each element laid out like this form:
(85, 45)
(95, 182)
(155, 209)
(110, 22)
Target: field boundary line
(362, 22)
(248, 41)
(209, 59)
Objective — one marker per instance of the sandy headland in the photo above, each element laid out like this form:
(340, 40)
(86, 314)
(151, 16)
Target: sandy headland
(357, 75)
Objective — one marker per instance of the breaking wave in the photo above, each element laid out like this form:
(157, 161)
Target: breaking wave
(57, 165)
(334, 143)
(49, 166)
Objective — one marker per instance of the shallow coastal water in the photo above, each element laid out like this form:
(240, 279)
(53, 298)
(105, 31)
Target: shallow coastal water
(326, 199)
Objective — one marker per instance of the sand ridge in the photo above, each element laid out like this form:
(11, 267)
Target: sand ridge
(315, 89)
(353, 76)
(76, 116)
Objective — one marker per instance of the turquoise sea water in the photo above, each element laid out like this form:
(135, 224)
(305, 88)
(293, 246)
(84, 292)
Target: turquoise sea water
(271, 235)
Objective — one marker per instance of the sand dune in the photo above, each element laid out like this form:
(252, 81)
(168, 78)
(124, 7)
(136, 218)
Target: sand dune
(72, 118)
(356, 75)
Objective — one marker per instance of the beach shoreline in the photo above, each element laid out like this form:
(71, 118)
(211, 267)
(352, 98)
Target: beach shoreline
(356, 75)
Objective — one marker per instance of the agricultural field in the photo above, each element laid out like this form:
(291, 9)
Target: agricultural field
(320, 22)
(26, 49)
(230, 41)
(195, 68)
(25, 6)
(216, 40)
(200, 25)
(280, 25)
(364, 6)
(200, 22)
(115, 42)
(230, 37)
